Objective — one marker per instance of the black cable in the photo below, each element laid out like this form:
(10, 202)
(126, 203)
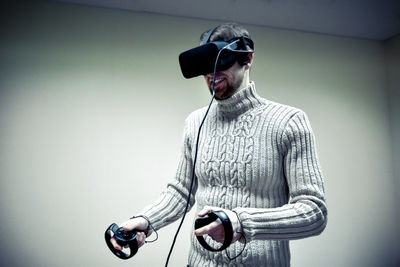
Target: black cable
(196, 150)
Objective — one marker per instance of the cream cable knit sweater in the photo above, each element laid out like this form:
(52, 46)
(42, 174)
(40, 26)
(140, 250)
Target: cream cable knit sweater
(258, 158)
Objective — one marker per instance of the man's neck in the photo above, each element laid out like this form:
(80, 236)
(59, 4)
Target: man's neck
(245, 82)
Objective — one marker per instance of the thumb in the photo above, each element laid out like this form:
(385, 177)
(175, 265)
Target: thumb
(137, 223)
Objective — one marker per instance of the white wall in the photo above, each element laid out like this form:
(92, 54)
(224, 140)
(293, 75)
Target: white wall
(392, 59)
(92, 104)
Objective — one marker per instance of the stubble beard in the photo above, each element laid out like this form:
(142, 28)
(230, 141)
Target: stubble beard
(230, 88)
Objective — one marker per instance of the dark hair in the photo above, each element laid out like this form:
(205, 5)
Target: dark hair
(226, 32)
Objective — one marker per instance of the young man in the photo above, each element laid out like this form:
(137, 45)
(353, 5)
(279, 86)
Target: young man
(257, 162)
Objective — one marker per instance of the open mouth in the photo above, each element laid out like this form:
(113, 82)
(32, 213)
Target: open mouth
(218, 81)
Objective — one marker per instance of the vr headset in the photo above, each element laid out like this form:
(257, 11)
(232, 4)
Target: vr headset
(201, 60)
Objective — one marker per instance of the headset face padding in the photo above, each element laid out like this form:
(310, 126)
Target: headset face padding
(201, 60)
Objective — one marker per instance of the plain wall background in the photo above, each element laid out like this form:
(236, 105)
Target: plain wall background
(92, 105)
(392, 58)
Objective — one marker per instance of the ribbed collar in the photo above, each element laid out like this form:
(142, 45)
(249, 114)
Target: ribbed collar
(242, 101)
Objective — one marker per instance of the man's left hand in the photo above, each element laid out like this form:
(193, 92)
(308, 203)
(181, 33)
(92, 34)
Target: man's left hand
(215, 229)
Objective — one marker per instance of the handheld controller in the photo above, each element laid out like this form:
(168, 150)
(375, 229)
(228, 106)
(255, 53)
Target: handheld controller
(209, 218)
(124, 238)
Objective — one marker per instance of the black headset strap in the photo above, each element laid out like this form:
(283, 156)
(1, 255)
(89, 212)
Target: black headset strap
(213, 216)
(243, 40)
(209, 33)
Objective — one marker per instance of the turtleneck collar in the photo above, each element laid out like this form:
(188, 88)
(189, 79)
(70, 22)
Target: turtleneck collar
(240, 102)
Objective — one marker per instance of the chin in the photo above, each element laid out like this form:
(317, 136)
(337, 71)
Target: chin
(222, 97)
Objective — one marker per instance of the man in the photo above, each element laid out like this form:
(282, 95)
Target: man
(257, 162)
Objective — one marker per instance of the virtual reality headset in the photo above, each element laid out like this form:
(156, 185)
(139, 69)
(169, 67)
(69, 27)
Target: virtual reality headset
(201, 60)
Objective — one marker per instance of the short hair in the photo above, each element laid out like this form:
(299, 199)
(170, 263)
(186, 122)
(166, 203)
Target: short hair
(226, 32)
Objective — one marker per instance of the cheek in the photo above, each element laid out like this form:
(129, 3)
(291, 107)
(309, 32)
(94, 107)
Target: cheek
(236, 78)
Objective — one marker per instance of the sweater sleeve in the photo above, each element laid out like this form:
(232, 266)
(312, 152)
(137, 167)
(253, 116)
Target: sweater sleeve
(305, 214)
(172, 201)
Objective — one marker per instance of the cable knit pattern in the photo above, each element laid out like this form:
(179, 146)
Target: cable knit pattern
(256, 157)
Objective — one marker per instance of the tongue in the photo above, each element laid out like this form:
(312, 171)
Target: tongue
(219, 83)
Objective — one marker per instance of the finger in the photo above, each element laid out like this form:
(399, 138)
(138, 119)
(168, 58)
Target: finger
(115, 244)
(205, 210)
(141, 237)
(209, 228)
(218, 234)
(217, 238)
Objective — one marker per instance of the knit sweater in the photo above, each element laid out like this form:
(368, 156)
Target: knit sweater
(255, 157)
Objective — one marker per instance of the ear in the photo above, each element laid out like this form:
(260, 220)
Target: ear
(250, 61)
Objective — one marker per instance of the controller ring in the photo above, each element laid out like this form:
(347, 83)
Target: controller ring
(124, 238)
(209, 218)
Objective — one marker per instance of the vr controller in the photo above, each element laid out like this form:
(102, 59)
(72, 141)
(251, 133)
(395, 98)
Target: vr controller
(127, 239)
(209, 218)
(124, 238)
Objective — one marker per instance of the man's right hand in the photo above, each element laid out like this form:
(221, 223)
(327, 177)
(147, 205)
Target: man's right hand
(138, 223)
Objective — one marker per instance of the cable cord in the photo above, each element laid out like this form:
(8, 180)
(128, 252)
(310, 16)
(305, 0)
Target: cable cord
(195, 154)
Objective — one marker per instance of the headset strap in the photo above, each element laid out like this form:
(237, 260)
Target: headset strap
(209, 33)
